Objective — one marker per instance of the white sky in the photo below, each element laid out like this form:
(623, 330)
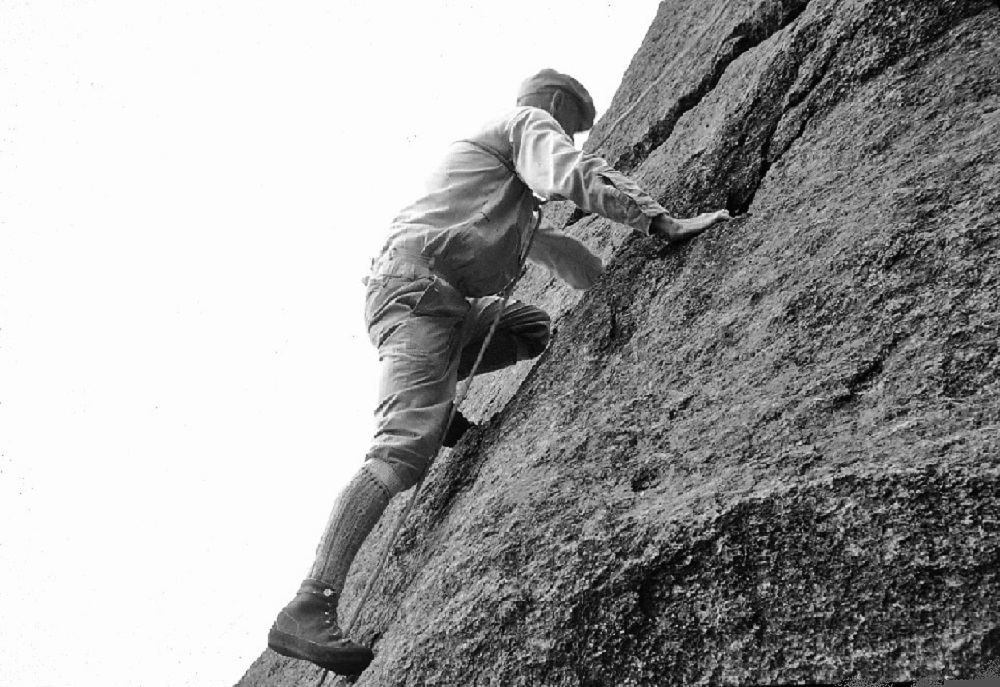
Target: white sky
(190, 193)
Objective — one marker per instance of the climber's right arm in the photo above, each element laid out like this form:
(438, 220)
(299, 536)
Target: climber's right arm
(555, 169)
(549, 163)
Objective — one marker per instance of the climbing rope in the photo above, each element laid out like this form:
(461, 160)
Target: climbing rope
(459, 398)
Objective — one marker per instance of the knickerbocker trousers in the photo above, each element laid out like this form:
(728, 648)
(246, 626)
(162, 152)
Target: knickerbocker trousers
(428, 336)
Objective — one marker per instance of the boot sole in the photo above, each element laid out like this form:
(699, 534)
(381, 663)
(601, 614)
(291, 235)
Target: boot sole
(343, 661)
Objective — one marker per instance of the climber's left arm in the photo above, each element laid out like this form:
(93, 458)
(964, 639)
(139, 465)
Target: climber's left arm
(565, 256)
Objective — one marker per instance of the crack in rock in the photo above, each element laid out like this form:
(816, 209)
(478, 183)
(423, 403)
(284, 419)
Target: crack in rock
(746, 36)
(814, 96)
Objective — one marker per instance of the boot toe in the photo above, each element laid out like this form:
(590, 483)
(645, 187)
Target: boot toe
(341, 656)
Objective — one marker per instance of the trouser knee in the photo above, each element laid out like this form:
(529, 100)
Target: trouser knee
(530, 327)
(535, 339)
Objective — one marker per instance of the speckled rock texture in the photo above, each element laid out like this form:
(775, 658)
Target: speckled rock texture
(767, 456)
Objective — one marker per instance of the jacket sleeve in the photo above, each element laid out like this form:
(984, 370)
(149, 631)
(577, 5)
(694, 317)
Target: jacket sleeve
(552, 167)
(565, 256)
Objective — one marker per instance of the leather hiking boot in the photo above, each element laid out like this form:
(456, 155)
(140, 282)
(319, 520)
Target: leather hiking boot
(307, 629)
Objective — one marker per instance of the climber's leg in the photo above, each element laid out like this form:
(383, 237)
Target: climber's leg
(522, 333)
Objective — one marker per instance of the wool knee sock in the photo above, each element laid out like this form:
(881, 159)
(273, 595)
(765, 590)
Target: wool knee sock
(355, 513)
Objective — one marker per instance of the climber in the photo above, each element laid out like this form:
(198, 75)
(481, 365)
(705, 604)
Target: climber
(431, 300)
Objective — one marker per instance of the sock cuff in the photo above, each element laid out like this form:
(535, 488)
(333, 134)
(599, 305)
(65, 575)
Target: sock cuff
(383, 474)
(355, 513)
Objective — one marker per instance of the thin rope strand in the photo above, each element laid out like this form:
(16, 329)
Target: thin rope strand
(628, 111)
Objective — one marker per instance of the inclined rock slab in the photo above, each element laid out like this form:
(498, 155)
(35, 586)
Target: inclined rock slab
(770, 455)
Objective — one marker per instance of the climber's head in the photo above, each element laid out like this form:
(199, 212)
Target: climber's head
(561, 96)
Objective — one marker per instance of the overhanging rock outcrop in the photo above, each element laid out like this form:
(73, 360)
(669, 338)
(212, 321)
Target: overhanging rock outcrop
(769, 456)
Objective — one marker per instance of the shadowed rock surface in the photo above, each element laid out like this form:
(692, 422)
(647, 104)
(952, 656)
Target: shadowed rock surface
(769, 455)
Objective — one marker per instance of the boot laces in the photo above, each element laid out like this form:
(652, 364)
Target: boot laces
(330, 622)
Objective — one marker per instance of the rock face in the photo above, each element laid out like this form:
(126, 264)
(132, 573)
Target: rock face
(769, 455)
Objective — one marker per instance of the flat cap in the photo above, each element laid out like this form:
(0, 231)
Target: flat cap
(550, 78)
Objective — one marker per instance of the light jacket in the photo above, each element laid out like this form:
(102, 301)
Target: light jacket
(472, 222)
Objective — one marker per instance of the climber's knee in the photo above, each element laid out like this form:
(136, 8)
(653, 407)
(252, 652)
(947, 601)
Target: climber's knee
(535, 344)
(533, 333)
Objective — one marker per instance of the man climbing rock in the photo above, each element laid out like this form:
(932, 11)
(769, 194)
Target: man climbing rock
(431, 300)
